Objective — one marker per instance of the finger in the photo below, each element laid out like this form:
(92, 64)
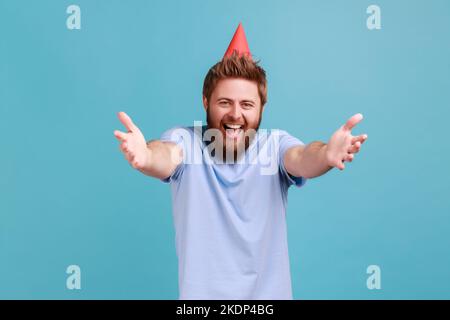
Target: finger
(126, 121)
(353, 121)
(129, 156)
(124, 147)
(136, 164)
(349, 158)
(122, 136)
(361, 138)
(339, 164)
(354, 148)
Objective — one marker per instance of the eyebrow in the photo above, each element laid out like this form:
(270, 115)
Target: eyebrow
(228, 99)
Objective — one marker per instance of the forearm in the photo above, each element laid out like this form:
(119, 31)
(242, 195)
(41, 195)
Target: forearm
(162, 159)
(309, 161)
(313, 160)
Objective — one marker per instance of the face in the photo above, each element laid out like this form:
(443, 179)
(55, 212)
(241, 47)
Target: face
(234, 108)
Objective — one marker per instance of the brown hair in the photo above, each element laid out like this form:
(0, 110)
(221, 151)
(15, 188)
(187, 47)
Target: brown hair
(235, 66)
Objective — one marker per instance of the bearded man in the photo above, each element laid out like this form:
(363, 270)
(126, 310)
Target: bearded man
(229, 181)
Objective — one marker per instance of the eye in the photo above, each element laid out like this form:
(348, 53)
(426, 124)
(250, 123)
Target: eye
(247, 105)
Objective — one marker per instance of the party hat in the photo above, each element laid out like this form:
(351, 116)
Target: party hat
(238, 43)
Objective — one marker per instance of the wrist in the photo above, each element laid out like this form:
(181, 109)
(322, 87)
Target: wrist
(325, 155)
(148, 156)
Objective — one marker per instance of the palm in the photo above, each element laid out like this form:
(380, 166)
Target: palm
(343, 145)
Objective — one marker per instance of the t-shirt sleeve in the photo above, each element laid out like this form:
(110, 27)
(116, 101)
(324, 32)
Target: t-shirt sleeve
(287, 141)
(178, 136)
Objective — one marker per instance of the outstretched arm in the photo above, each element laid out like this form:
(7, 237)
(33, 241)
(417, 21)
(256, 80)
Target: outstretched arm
(154, 158)
(317, 158)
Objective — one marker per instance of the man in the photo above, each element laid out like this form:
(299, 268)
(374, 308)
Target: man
(229, 182)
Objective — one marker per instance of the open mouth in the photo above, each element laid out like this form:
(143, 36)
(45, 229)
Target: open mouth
(233, 130)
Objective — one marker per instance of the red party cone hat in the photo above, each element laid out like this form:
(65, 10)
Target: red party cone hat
(238, 43)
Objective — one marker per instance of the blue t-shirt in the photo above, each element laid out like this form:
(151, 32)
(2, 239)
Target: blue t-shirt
(230, 219)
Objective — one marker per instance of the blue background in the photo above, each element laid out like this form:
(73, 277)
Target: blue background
(67, 196)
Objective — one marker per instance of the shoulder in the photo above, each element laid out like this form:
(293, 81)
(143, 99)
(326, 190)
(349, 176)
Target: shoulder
(283, 140)
(274, 135)
(178, 134)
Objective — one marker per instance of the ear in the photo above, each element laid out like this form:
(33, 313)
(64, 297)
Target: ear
(205, 103)
(262, 108)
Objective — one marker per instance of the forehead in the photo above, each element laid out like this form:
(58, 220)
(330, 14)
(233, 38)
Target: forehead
(236, 89)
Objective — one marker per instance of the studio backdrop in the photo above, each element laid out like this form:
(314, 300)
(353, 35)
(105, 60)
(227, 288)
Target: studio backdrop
(78, 222)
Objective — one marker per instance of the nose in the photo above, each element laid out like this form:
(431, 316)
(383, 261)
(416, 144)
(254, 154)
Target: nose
(235, 112)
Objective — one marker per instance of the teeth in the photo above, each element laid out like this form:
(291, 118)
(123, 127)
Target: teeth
(234, 126)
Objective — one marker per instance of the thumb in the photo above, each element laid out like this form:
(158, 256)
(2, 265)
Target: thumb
(353, 121)
(126, 121)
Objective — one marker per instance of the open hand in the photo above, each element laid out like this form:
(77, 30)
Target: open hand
(343, 145)
(133, 144)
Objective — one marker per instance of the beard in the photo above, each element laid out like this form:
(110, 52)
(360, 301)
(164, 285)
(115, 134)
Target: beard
(230, 146)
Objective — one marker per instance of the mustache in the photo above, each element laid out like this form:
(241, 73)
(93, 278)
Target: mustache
(210, 125)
